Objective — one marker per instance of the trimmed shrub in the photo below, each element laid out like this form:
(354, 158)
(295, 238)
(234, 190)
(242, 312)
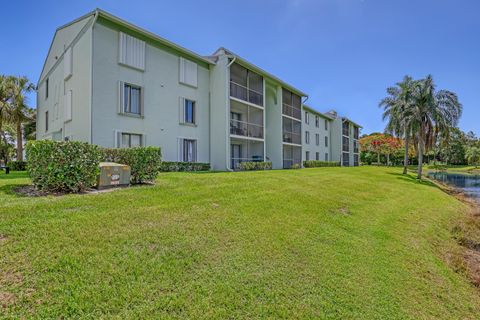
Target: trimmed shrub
(144, 162)
(250, 166)
(316, 164)
(17, 165)
(69, 166)
(184, 166)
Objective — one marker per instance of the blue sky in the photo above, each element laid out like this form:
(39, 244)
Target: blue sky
(343, 53)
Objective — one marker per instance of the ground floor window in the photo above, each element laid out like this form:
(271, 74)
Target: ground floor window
(326, 156)
(307, 155)
(317, 156)
(130, 140)
(189, 150)
(355, 160)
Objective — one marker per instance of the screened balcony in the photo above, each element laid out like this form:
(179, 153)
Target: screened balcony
(245, 151)
(292, 131)
(356, 132)
(346, 128)
(292, 156)
(246, 85)
(345, 144)
(292, 104)
(245, 120)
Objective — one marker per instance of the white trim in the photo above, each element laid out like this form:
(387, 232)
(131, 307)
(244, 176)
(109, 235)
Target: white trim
(246, 138)
(247, 103)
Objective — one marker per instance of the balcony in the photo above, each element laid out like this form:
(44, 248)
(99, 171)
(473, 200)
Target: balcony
(246, 120)
(241, 128)
(291, 111)
(292, 156)
(245, 151)
(243, 93)
(290, 137)
(345, 144)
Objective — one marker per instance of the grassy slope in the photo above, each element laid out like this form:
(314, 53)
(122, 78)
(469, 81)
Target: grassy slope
(314, 243)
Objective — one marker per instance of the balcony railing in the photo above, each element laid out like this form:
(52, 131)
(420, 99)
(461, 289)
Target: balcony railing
(241, 128)
(291, 137)
(235, 162)
(288, 163)
(291, 111)
(243, 93)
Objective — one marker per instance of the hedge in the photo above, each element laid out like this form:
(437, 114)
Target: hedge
(184, 166)
(62, 166)
(144, 162)
(249, 166)
(316, 164)
(17, 165)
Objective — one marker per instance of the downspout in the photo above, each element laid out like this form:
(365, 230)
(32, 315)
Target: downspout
(227, 114)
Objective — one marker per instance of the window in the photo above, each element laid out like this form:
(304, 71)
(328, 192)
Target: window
(355, 160)
(189, 150)
(68, 106)
(355, 146)
(188, 72)
(188, 111)
(326, 124)
(246, 85)
(292, 131)
(67, 64)
(317, 139)
(46, 121)
(307, 155)
(307, 137)
(326, 141)
(317, 156)
(317, 121)
(326, 156)
(46, 89)
(131, 99)
(131, 51)
(307, 117)
(130, 140)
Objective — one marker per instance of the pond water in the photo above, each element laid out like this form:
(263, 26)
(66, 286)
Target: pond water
(468, 183)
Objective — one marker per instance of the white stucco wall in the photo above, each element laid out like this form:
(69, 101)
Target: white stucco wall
(162, 90)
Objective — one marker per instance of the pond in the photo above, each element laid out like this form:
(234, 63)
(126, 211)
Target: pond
(468, 183)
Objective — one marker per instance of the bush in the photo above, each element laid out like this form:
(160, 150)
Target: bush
(316, 164)
(184, 166)
(144, 162)
(17, 165)
(250, 166)
(62, 166)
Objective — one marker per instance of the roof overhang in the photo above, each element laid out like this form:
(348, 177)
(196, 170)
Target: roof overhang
(259, 70)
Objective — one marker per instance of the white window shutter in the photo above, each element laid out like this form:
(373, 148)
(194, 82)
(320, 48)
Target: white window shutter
(131, 51)
(142, 99)
(67, 63)
(180, 149)
(181, 110)
(181, 69)
(195, 151)
(68, 106)
(121, 96)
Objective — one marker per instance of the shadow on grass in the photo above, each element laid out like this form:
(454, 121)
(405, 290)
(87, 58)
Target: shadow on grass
(412, 179)
(12, 190)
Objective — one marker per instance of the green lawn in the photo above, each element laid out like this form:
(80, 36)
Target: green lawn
(350, 243)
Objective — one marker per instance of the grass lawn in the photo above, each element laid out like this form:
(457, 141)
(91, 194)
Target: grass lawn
(350, 243)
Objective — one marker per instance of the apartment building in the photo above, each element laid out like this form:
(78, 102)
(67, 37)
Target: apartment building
(110, 83)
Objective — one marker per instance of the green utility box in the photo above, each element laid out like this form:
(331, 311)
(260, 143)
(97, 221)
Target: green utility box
(113, 175)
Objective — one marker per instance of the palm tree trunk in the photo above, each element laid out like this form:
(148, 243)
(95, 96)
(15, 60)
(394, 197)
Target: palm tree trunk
(405, 159)
(420, 158)
(19, 141)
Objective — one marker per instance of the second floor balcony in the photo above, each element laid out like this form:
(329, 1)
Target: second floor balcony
(241, 128)
(245, 120)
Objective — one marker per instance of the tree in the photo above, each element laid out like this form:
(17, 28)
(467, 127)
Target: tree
(19, 111)
(397, 106)
(432, 115)
(473, 156)
(6, 93)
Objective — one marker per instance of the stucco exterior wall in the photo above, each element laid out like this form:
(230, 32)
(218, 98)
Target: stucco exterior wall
(273, 124)
(312, 147)
(160, 124)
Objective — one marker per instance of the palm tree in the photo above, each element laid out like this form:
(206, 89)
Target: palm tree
(19, 111)
(6, 91)
(397, 110)
(433, 115)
